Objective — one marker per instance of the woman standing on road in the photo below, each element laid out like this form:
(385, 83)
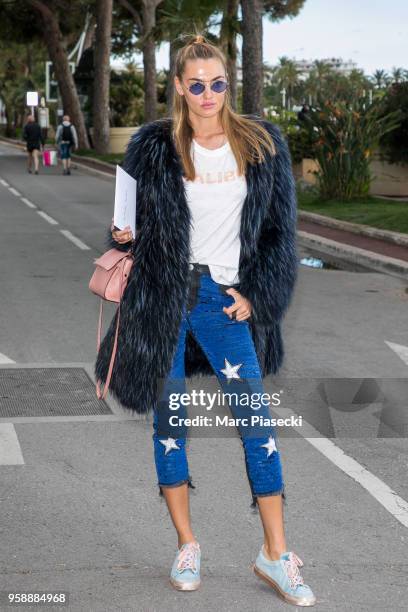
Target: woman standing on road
(215, 267)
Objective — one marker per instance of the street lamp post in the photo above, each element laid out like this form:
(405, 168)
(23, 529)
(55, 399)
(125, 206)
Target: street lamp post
(43, 118)
(283, 92)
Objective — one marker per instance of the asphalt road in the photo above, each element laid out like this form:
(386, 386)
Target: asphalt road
(79, 506)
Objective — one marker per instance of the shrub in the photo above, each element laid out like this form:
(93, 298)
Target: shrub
(344, 135)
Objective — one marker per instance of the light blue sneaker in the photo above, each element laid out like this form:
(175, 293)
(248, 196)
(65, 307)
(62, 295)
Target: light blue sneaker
(283, 575)
(185, 573)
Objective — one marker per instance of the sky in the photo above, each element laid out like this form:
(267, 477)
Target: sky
(373, 33)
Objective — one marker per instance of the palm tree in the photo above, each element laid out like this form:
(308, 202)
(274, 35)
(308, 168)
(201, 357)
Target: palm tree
(252, 62)
(178, 17)
(380, 78)
(144, 16)
(102, 75)
(311, 88)
(320, 71)
(287, 74)
(397, 75)
(228, 38)
(358, 80)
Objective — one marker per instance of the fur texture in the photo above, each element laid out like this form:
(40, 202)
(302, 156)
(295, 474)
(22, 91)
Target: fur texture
(152, 303)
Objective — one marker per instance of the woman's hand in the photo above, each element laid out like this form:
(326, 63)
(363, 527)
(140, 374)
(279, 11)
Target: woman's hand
(242, 307)
(121, 236)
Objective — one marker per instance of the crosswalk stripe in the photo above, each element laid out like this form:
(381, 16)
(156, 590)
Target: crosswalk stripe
(10, 449)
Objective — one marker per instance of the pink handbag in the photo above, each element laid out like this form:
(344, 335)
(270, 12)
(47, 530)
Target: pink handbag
(109, 282)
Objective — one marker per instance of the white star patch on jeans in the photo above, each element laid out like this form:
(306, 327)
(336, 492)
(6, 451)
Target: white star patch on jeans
(231, 371)
(170, 443)
(270, 446)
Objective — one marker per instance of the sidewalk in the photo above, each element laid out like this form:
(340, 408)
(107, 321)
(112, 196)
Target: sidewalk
(388, 254)
(375, 245)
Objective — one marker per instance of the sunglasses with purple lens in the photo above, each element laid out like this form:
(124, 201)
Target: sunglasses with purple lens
(198, 87)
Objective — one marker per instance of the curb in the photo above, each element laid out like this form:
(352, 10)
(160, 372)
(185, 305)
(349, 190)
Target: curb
(355, 255)
(13, 141)
(355, 228)
(93, 169)
(94, 162)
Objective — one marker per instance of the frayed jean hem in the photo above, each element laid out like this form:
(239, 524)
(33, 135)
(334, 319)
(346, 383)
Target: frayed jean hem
(256, 495)
(187, 481)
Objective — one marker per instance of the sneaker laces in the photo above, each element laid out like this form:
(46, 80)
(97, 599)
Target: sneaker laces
(292, 569)
(187, 557)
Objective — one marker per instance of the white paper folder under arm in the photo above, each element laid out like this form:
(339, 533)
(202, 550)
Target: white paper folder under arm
(125, 201)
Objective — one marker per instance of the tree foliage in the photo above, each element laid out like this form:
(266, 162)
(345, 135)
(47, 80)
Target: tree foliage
(20, 71)
(279, 9)
(394, 144)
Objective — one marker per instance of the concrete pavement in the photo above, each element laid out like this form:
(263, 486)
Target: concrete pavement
(82, 513)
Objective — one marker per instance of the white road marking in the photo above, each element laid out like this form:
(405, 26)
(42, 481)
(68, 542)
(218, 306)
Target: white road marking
(10, 449)
(400, 349)
(4, 183)
(81, 245)
(14, 192)
(5, 359)
(392, 502)
(75, 240)
(47, 217)
(30, 204)
(396, 505)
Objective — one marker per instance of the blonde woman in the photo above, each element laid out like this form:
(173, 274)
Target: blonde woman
(215, 267)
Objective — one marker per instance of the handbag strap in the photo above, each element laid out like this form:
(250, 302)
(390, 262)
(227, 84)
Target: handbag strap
(99, 393)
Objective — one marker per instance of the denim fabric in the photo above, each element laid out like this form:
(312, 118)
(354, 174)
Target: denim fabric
(219, 337)
(65, 150)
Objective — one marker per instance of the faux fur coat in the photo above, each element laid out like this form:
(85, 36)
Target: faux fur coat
(151, 307)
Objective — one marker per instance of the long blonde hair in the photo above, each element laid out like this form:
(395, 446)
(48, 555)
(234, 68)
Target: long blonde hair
(248, 139)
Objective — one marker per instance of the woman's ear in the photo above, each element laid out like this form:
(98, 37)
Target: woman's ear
(178, 86)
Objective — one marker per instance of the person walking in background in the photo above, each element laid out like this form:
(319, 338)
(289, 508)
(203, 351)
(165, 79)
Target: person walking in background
(66, 138)
(34, 141)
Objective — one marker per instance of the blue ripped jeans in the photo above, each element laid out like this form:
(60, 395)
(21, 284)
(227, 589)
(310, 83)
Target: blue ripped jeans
(222, 340)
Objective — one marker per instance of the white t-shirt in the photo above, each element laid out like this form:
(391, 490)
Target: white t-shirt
(215, 199)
